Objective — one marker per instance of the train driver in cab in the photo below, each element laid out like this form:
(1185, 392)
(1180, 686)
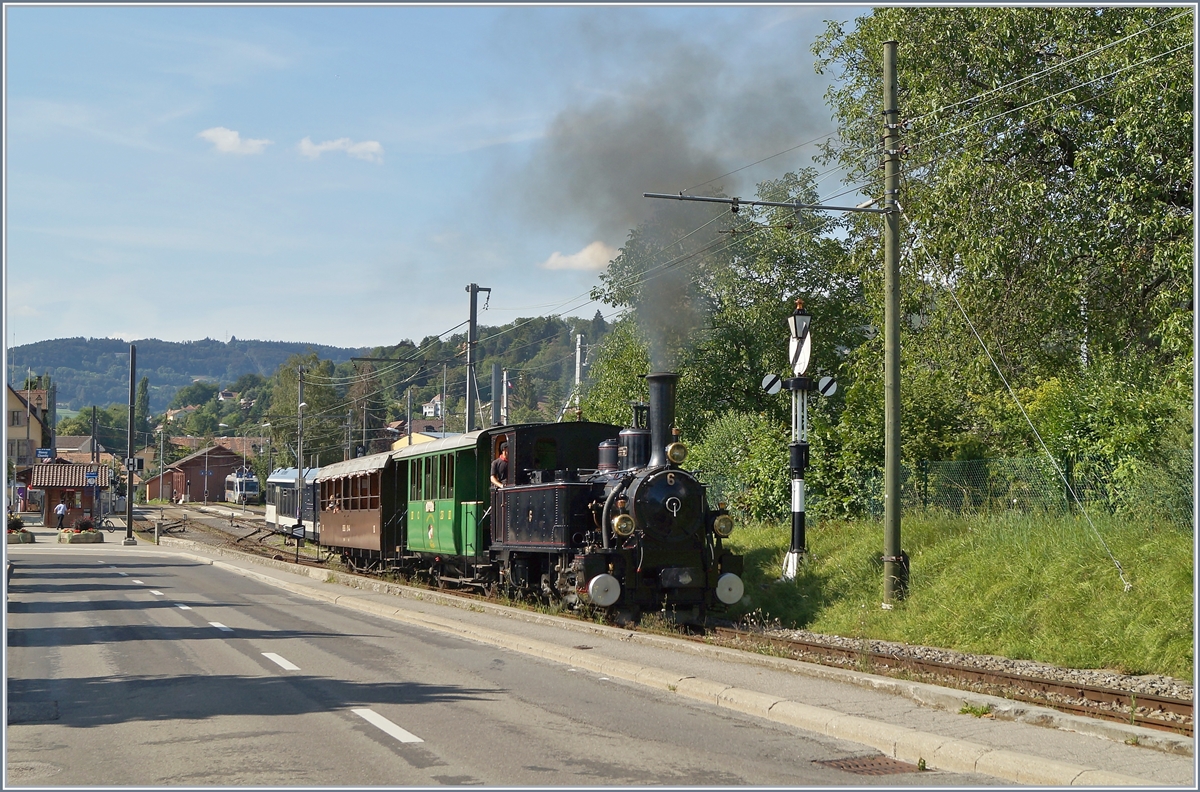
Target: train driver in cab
(500, 467)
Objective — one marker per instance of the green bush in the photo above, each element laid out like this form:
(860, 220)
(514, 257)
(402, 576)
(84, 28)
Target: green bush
(743, 457)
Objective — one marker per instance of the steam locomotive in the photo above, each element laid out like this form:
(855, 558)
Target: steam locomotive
(588, 513)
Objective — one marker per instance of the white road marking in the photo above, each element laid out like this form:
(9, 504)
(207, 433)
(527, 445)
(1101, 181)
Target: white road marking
(123, 574)
(221, 627)
(140, 583)
(99, 562)
(604, 679)
(385, 725)
(183, 607)
(287, 665)
(156, 593)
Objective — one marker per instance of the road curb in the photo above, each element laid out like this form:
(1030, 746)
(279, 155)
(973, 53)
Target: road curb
(902, 743)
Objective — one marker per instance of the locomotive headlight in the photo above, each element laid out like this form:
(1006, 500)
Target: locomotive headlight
(677, 452)
(723, 525)
(622, 525)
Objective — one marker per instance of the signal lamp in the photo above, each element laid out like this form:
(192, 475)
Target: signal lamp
(723, 525)
(622, 525)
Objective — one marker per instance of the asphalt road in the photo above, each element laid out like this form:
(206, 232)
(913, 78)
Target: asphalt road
(131, 668)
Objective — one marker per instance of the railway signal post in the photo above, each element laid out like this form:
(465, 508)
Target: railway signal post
(799, 352)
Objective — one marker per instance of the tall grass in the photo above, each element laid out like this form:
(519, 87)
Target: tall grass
(1021, 586)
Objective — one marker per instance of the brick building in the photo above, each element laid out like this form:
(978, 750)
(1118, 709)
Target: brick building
(187, 476)
(67, 482)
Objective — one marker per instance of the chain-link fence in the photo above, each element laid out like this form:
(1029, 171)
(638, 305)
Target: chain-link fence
(1162, 490)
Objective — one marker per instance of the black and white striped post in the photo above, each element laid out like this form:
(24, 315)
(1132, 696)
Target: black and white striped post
(799, 352)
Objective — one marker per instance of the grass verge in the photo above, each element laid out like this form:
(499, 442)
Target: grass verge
(1020, 586)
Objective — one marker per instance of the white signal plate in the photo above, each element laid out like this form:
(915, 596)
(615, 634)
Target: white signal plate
(772, 383)
(826, 386)
(799, 351)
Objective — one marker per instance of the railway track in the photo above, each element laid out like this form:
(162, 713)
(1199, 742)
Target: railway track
(1155, 712)
(1113, 704)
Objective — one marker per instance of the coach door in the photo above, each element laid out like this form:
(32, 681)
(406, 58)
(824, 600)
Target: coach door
(499, 510)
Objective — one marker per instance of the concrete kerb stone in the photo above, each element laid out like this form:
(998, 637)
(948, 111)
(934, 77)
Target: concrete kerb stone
(1017, 767)
(701, 689)
(880, 736)
(1096, 778)
(802, 716)
(905, 744)
(748, 701)
(661, 678)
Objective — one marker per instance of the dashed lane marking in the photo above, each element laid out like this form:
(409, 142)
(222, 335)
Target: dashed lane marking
(123, 574)
(140, 583)
(385, 725)
(221, 627)
(286, 665)
(156, 593)
(183, 607)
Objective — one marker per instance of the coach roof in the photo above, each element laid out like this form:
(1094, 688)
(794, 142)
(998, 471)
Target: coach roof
(360, 466)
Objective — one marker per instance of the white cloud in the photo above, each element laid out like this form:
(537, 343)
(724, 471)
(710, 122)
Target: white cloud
(227, 141)
(593, 257)
(369, 150)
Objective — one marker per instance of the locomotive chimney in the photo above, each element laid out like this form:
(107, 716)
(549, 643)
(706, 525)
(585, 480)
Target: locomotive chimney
(662, 414)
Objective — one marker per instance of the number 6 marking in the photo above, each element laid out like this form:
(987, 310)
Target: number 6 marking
(671, 479)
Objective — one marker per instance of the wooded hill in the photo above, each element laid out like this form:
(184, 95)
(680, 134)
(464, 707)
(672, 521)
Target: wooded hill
(95, 371)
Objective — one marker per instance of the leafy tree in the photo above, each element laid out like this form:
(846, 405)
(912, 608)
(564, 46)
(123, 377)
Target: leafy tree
(1077, 240)
(195, 394)
(141, 406)
(324, 416)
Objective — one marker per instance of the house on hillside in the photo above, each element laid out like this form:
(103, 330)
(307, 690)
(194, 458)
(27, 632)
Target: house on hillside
(433, 407)
(77, 444)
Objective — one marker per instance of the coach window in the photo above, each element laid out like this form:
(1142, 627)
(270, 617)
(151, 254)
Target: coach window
(375, 483)
(430, 479)
(414, 480)
(444, 477)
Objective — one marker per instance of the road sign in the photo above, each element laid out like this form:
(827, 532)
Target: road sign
(90, 475)
(772, 383)
(799, 351)
(826, 386)
(45, 453)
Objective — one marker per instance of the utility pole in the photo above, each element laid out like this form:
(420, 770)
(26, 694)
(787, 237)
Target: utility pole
(504, 398)
(472, 331)
(578, 369)
(129, 540)
(300, 405)
(895, 562)
(408, 421)
(496, 386)
(442, 406)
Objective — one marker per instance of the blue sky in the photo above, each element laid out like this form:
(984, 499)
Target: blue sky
(338, 175)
